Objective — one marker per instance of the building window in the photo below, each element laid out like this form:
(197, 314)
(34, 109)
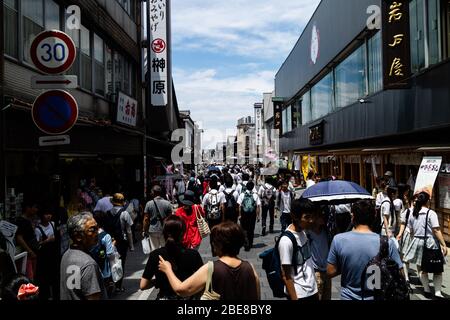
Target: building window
(351, 78)
(128, 6)
(85, 58)
(99, 67)
(75, 35)
(52, 15)
(296, 115)
(10, 15)
(375, 63)
(306, 108)
(425, 33)
(322, 97)
(287, 120)
(33, 23)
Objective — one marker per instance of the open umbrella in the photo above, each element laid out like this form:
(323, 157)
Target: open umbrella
(336, 192)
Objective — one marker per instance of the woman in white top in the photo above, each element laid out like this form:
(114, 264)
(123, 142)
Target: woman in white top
(404, 235)
(417, 223)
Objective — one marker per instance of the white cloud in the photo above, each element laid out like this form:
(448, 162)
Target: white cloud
(257, 35)
(263, 28)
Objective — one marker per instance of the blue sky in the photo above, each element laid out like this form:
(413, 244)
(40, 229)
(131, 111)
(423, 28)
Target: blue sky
(226, 54)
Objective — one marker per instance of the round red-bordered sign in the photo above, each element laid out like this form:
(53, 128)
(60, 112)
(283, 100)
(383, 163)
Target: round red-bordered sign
(158, 45)
(55, 112)
(48, 52)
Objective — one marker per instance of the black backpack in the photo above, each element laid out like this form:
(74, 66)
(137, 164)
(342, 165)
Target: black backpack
(393, 286)
(113, 226)
(230, 205)
(271, 263)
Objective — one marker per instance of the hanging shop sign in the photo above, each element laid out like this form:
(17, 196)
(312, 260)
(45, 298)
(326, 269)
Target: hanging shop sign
(396, 44)
(316, 134)
(126, 110)
(258, 124)
(159, 46)
(278, 114)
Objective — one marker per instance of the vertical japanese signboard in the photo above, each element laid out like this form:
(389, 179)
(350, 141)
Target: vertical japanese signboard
(258, 124)
(159, 43)
(278, 114)
(396, 44)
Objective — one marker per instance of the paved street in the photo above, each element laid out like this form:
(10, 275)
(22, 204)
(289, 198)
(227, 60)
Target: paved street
(136, 263)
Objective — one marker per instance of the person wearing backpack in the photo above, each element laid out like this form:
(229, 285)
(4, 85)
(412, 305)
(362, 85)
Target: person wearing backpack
(296, 261)
(267, 194)
(388, 213)
(283, 204)
(228, 201)
(249, 209)
(211, 205)
(351, 252)
(156, 211)
(118, 225)
(103, 252)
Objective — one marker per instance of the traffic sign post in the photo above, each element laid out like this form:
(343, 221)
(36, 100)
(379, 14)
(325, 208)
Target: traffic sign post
(53, 52)
(55, 112)
(54, 82)
(54, 141)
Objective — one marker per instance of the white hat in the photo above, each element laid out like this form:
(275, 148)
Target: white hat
(389, 174)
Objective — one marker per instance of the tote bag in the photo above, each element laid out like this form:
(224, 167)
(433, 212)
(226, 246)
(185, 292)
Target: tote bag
(203, 227)
(209, 293)
(432, 259)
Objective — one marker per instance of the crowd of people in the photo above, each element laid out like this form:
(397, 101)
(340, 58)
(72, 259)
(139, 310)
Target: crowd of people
(315, 244)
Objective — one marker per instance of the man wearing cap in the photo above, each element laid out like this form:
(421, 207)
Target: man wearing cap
(156, 211)
(389, 178)
(188, 212)
(118, 225)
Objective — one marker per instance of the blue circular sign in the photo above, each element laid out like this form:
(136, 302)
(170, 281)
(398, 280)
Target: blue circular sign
(55, 112)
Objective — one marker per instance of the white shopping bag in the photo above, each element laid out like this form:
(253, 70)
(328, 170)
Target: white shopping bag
(116, 268)
(146, 245)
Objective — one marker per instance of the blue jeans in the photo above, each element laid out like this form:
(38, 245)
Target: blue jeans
(285, 220)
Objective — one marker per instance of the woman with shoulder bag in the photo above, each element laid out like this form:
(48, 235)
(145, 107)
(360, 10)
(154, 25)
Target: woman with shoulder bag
(190, 212)
(425, 234)
(185, 261)
(229, 278)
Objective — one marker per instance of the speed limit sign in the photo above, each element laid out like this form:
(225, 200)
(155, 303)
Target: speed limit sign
(53, 52)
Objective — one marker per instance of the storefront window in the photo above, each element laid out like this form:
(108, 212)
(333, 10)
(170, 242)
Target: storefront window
(306, 108)
(10, 27)
(33, 24)
(375, 63)
(351, 78)
(322, 97)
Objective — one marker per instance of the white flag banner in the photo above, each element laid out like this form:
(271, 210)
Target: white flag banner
(158, 53)
(428, 172)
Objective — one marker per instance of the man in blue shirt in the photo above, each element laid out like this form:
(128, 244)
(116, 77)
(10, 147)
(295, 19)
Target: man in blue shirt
(351, 252)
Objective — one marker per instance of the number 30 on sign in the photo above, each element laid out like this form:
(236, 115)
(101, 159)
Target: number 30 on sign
(53, 52)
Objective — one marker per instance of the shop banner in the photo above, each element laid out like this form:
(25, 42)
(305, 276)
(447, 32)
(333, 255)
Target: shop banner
(428, 172)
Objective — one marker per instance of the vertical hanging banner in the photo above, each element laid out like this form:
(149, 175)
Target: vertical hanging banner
(396, 44)
(159, 84)
(278, 114)
(258, 124)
